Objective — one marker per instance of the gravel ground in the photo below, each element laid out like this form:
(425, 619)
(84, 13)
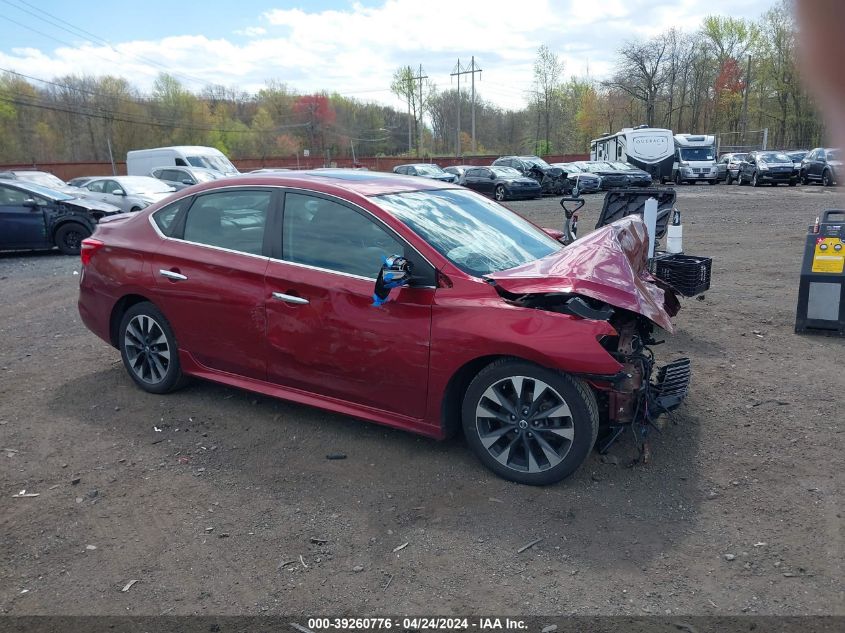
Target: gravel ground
(219, 501)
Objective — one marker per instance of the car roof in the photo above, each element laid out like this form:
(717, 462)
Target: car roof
(364, 183)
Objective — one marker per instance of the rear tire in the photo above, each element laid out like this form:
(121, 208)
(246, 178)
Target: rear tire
(69, 237)
(541, 425)
(500, 193)
(149, 350)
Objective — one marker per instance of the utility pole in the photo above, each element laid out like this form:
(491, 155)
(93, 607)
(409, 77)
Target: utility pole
(745, 100)
(458, 71)
(419, 79)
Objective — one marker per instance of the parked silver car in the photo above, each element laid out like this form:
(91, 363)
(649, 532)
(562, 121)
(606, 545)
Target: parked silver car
(130, 193)
(181, 177)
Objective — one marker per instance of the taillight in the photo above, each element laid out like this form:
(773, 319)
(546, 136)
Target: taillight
(89, 246)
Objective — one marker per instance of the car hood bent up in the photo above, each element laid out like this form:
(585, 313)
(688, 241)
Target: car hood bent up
(608, 265)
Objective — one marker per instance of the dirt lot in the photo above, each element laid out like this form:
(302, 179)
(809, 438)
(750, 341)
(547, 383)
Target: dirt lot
(739, 512)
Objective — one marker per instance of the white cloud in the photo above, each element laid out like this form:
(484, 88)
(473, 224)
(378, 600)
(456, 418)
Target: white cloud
(355, 50)
(251, 31)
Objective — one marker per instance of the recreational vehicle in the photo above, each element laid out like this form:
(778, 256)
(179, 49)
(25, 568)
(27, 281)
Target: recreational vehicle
(649, 148)
(695, 159)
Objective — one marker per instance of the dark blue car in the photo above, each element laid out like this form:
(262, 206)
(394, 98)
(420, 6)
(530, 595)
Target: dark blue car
(502, 183)
(33, 217)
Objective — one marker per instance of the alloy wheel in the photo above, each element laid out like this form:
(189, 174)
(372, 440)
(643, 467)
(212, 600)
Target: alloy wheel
(525, 424)
(500, 193)
(147, 350)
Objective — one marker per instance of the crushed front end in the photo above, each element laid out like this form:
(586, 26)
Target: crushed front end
(642, 391)
(604, 276)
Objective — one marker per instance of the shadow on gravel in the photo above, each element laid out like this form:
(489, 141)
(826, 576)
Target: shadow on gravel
(611, 512)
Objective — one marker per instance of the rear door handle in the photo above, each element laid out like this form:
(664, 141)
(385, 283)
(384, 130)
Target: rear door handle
(290, 298)
(172, 275)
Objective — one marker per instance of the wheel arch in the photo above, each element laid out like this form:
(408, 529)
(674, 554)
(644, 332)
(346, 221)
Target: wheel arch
(453, 396)
(118, 310)
(71, 219)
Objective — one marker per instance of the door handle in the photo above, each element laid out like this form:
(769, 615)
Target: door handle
(290, 298)
(172, 275)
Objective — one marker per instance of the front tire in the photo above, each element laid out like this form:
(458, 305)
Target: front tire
(500, 194)
(148, 349)
(827, 179)
(529, 424)
(678, 180)
(754, 181)
(804, 180)
(69, 237)
(728, 179)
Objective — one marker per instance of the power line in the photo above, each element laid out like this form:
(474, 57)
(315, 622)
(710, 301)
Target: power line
(458, 71)
(112, 116)
(83, 33)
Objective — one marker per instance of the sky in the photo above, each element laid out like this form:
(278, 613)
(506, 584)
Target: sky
(349, 47)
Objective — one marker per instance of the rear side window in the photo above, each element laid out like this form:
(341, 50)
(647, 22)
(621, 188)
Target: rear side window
(233, 220)
(165, 218)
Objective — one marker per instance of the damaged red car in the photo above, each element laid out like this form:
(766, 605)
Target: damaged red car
(415, 304)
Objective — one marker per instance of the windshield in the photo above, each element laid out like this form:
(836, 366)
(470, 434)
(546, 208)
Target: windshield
(622, 166)
(569, 167)
(205, 176)
(143, 184)
(41, 178)
(217, 163)
(47, 191)
(738, 158)
(697, 153)
(429, 170)
(774, 157)
(478, 235)
(536, 161)
(834, 154)
(506, 172)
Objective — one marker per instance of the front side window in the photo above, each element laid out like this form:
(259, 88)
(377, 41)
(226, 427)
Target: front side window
(12, 197)
(95, 186)
(478, 235)
(234, 220)
(326, 234)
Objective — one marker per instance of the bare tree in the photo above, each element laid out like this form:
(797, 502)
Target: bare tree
(641, 72)
(547, 71)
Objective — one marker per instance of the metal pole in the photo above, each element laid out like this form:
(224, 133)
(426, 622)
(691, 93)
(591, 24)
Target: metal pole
(111, 158)
(458, 135)
(473, 103)
(419, 123)
(765, 139)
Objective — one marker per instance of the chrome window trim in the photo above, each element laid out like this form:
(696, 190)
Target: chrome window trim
(284, 188)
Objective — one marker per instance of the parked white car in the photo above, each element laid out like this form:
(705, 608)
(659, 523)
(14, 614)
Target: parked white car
(130, 193)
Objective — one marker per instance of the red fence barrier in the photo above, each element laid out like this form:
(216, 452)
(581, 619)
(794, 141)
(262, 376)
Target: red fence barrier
(66, 171)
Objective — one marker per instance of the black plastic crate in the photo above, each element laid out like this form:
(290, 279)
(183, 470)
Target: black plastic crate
(688, 274)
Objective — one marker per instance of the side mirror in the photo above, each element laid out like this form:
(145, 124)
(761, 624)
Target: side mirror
(492, 176)
(187, 182)
(118, 192)
(395, 272)
(30, 202)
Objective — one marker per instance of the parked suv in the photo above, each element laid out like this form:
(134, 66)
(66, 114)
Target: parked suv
(772, 168)
(823, 165)
(551, 179)
(727, 168)
(34, 217)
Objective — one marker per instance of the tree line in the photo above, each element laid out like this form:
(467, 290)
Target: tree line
(732, 77)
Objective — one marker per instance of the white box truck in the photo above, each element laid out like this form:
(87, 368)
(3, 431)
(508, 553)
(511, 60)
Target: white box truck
(141, 162)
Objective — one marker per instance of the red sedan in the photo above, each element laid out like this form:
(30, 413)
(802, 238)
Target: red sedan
(412, 303)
